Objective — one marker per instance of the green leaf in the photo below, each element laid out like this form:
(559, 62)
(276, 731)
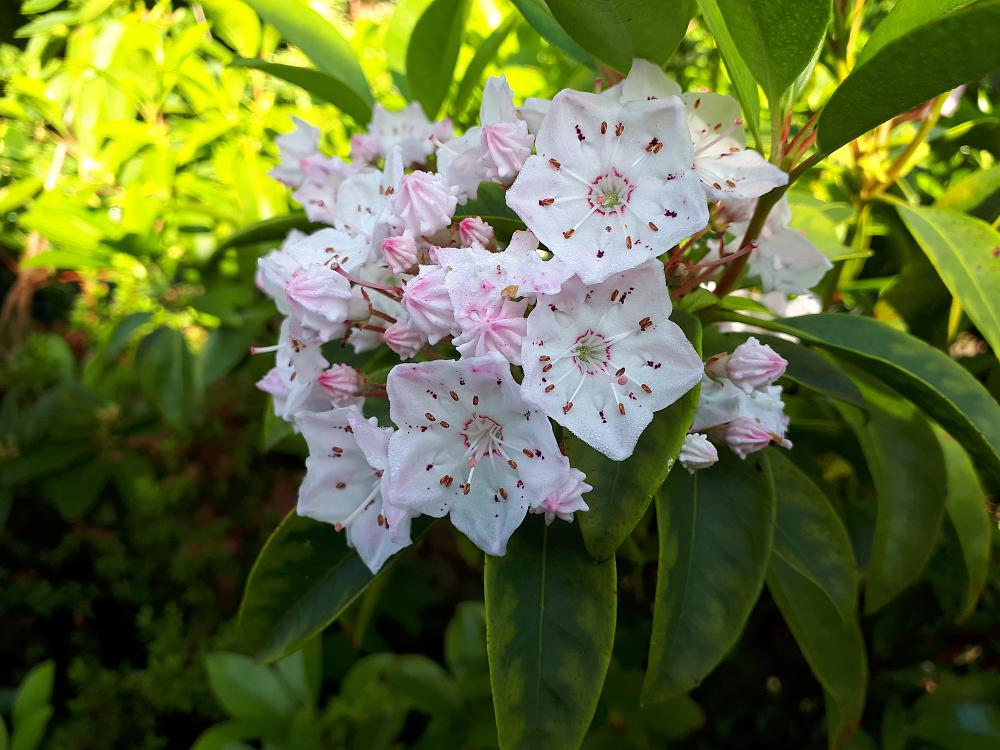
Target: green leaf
(486, 53)
(18, 193)
(38, 6)
(972, 190)
(810, 537)
(833, 647)
(320, 41)
(4, 736)
(550, 623)
(623, 489)
(247, 690)
(617, 31)
(227, 735)
(35, 692)
(942, 387)
(778, 39)
(433, 51)
(962, 248)
(908, 469)
(537, 13)
(967, 511)
(122, 333)
(319, 84)
(302, 671)
(274, 229)
(743, 80)
(715, 531)
(234, 23)
(920, 57)
(398, 33)
(303, 580)
(29, 733)
(167, 374)
(465, 649)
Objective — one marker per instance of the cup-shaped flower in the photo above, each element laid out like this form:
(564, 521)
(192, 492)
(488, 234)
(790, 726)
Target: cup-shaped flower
(346, 482)
(611, 184)
(409, 129)
(299, 144)
(789, 263)
(697, 452)
(600, 360)
(469, 446)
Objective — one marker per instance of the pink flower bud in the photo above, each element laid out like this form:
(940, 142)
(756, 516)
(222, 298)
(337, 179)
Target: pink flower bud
(505, 146)
(424, 203)
(744, 437)
(426, 300)
(567, 499)
(754, 365)
(364, 148)
(404, 338)
(697, 452)
(341, 383)
(443, 130)
(475, 231)
(400, 252)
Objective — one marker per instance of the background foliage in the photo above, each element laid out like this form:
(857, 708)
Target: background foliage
(140, 471)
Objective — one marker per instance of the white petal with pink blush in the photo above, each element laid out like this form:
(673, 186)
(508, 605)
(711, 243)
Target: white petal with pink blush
(611, 184)
(601, 360)
(346, 482)
(468, 446)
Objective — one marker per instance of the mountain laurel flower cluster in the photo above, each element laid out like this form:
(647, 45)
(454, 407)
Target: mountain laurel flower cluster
(507, 341)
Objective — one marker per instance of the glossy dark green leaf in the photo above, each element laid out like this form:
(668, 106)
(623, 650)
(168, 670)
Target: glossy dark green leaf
(318, 39)
(743, 80)
(778, 39)
(537, 13)
(303, 580)
(942, 387)
(810, 537)
(623, 489)
(922, 55)
(486, 53)
(805, 367)
(617, 31)
(908, 470)
(274, 230)
(550, 624)
(962, 250)
(715, 529)
(834, 648)
(248, 690)
(321, 85)
(966, 508)
(433, 52)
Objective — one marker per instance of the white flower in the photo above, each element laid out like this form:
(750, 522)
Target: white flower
(492, 325)
(363, 200)
(568, 499)
(400, 252)
(342, 384)
(322, 178)
(346, 482)
(697, 452)
(469, 446)
(611, 185)
(300, 144)
(789, 263)
(304, 282)
(294, 381)
(404, 338)
(424, 203)
(533, 113)
(364, 148)
(409, 129)
(746, 422)
(727, 169)
(459, 163)
(600, 360)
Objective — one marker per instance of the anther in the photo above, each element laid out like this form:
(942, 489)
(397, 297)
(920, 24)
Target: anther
(546, 201)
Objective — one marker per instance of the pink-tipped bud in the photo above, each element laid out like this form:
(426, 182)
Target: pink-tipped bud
(404, 338)
(744, 437)
(475, 231)
(568, 499)
(364, 148)
(505, 147)
(426, 300)
(400, 252)
(341, 383)
(424, 203)
(754, 365)
(697, 452)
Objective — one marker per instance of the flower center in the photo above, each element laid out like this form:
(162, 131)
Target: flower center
(592, 352)
(610, 192)
(483, 436)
